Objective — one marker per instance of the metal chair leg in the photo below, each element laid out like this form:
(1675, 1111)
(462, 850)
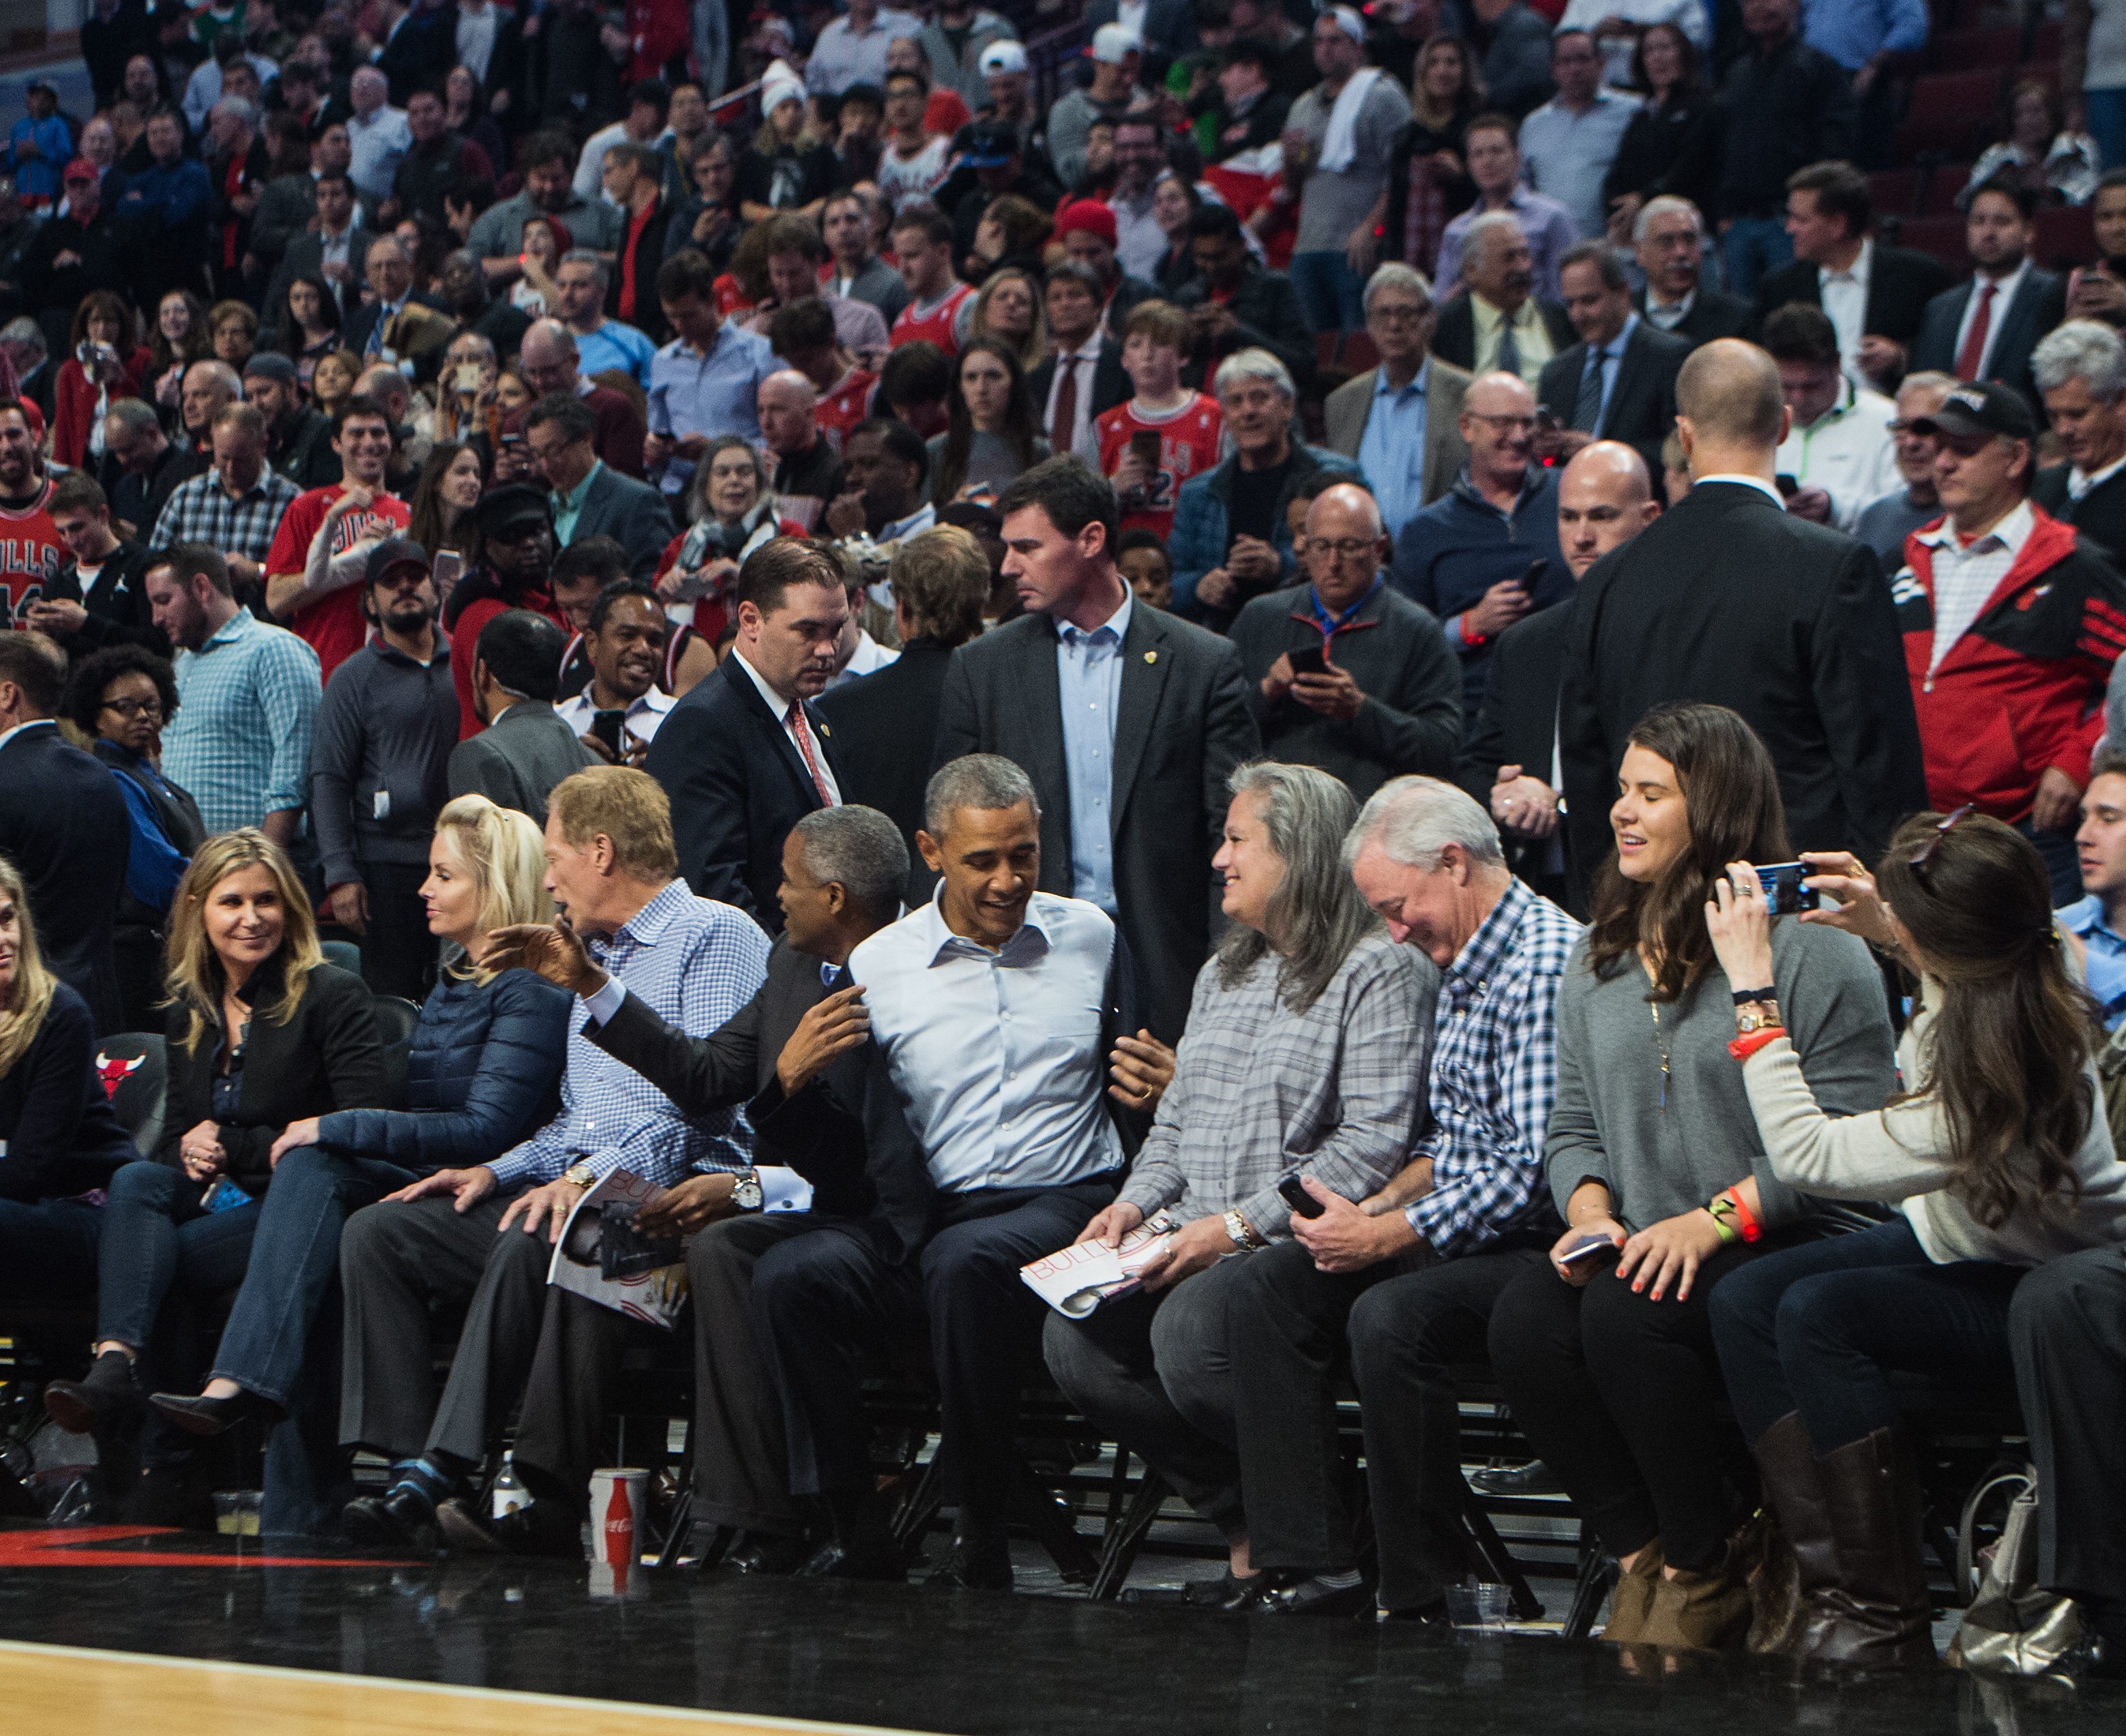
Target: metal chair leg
(1498, 1560)
(1597, 1574)
(1124, 1540)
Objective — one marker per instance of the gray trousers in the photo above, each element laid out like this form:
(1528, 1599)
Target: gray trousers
(1152, 1371)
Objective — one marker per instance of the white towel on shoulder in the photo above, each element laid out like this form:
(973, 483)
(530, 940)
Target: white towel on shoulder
(1339, 144)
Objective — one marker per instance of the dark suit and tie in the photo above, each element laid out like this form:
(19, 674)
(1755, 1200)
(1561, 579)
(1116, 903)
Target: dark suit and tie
(884, 724)
(1454, 337)
(1712, 313)
(1901, 282)
(738, 782)
(1104, 380)
(1181, 725)
(633, 514)
(1985, 330)
(365, 321)
(2099, 516)
(64, 825)
(1516, 725)
(1728, 598)
(1625, 390)
(306, 257)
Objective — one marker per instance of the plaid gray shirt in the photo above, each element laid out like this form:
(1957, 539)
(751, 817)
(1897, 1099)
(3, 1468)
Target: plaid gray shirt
(1259, 1090)
(199, 510)
(1494, 1076)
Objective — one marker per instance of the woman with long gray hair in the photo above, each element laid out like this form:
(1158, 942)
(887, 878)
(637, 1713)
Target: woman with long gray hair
(1304, 1056)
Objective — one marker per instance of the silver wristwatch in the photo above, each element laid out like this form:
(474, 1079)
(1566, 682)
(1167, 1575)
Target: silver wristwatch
(747, 1194)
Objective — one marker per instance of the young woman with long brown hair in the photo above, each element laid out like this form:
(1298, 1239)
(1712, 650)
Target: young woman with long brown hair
(1999, 1157)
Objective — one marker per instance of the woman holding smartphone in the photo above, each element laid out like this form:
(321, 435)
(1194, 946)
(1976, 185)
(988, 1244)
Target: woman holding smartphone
(1999, 1158)
(1608, 1358)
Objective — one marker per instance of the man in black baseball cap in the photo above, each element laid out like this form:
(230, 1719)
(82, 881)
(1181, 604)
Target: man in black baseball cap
(299, 440)
(2006, 617)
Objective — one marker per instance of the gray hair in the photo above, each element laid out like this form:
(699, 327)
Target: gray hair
(2083, 350)
(131, 413)
(1395, 275)
(1414, 819)
(1663, 205)
(473, 340)
(586, 255)
(1253, 364)
(1603, 256)
(241, 107)
(989, 782)
(24, 330)
(1316, 914)
(860, 850)
(1477, 236)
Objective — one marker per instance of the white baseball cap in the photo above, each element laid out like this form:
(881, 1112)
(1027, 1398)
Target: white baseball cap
(1003, 57)
(1112, 44)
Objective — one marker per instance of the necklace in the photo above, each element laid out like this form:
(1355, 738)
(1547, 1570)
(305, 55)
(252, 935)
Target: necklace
(1655, 1005)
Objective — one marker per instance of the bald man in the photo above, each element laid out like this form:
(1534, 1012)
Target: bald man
(1731, 598)
(1344, 673)
(807, 468)
(1510, 752)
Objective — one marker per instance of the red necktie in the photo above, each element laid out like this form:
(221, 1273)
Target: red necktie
(1974, 341)
(1061, 430)
(803, 731)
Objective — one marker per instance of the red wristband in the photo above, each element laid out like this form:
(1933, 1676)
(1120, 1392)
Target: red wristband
(1746, 1221)
(1743, 1047)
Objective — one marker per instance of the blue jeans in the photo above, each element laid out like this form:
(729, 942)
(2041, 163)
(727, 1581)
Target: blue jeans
(1752, 249)
(48, 1250)
(1329, 293)
(2106, 111)
(155, 1240)
(1816, 1328)
(294, 1265)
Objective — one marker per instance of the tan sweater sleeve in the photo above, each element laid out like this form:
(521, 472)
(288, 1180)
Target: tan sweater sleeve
(1886, 1154)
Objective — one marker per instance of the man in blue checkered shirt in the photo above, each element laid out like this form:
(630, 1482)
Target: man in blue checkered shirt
(1409, 1277)
(487, 1232)
(235, 507)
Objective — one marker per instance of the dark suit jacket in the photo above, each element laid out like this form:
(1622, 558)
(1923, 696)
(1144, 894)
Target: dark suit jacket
(884, 724)
(1713, 314)
(1111, 386)
(633, 513)
(1814, 663)
(419, 52)
(737, 785)
(1182, 725)
(118, 613)
(1642, 403)
(361, 319)
(518, 759)
(64, 825)
(2099, 518)
(306, 257)
(1454, 336)
(1516, 725)
(2038, 305)
(844, 1132)
(1901, 282)
(327, 1056)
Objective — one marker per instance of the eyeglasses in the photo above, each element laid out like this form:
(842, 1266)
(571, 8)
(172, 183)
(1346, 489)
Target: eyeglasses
(135, 707)
(1341, 548)
(1516, 423)
(1392, 315)
(1920, 858)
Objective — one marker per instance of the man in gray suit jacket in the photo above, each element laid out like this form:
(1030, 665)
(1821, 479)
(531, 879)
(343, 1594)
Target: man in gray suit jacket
(1399, 319)
(525, 749)
(1128, 721)
(588, 498)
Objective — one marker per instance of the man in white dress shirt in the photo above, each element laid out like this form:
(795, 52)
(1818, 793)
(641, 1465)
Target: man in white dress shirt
(625, 640)
(1841, 449)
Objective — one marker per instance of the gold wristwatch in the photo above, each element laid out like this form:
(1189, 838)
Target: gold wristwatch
(582, 1173)
(1758, 1015)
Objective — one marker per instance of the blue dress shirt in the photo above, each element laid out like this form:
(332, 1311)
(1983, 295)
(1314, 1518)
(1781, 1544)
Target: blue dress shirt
(1853, 32)
(1612, 358)
(2103, 972)
(1391, 453)
(712, 392)
(1088, 669)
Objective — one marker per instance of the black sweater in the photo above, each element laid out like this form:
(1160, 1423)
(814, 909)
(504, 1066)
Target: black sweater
(63, 1137)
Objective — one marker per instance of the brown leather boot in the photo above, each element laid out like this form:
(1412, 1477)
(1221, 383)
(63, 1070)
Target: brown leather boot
(1633, 1597)
(1799, 1559)
(1876, 1608)
(1707, 1612)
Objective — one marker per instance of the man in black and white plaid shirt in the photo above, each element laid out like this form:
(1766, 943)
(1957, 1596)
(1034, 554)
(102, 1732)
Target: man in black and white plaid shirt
(235, 507)
(1409, 1275)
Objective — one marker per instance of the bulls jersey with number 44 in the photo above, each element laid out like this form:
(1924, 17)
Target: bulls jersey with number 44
(31, 550)
(1190, 436)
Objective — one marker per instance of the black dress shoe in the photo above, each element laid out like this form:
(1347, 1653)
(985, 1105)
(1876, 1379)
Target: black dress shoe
(884, 1563)
(106, 1402)
(766, 1552)
(1431, 1618)
(400, 1517)
(1535, 1477)
(203, 1415)
(971, 1568)
(1313, 1597)
(538, 1528)
(1225, 1596)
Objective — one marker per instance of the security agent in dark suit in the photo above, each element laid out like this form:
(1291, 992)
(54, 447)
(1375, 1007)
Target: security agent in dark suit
(2080, 372)
(884, 721)
(1619, 381)
(62, 823)
(745, 755)
(1993, 321)
(1829, 214)
(1509, 751)
(1669, 237)
(1686, 611)
(562, 433)
(114, 609)
(822, 1106)
(1132, 776)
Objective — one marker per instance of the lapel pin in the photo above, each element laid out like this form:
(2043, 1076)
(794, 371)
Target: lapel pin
(823, 729)
(1152, 656)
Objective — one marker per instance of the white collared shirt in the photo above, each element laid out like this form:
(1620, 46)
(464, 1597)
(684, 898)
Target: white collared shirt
(997, 1056)
(1758, 483)
(1848, 451)
(781, 707)
(1966, 575)
(2078, 485)
(641, 721)
(2004, 292)
(1665, 316)
(1844, 298)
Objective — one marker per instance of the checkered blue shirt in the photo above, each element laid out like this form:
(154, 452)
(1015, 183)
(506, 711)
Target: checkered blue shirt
(240, 740)
(199, 510)
(1494, 1076)
(695, 962)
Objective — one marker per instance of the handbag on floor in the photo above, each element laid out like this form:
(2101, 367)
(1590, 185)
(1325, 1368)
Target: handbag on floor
(2012, 1625)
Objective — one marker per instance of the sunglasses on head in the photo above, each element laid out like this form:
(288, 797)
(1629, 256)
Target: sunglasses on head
(1920, 858)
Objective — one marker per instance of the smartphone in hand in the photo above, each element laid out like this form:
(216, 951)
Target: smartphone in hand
(1293, 1192)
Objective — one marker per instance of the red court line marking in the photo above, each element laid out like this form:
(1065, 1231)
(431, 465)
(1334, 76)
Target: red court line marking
(76, 1546)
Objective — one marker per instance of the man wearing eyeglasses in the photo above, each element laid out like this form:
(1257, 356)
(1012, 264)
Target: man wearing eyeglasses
(1401, 419)
(1344, 673)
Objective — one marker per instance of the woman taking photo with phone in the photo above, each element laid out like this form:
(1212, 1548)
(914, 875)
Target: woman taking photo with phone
(1608, 1359)
(1998, 1157)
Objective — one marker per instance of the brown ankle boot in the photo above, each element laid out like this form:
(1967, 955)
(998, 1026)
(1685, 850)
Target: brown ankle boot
(1633, 1597)
(1876, 1608)
(1799, 1559)
(1707, 1612)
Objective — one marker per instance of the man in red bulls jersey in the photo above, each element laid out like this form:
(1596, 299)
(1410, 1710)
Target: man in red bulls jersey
(31, 549)
(923, 243)
(1164, 435)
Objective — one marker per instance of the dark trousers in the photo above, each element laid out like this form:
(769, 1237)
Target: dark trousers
(48, 1250)
(1816, 1329)
(398, 954)
(1111, 1365)
(398, 1261)
(566, 1384)
(294, 1265)
(160, 1254)
(2068, 1329)
(822, 1303)
(1616, 1394)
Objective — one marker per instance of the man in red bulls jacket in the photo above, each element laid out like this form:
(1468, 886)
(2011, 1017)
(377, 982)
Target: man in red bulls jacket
(2010, 629)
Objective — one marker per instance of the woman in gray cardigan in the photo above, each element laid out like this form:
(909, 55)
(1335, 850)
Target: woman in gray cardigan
(1607, 1357)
